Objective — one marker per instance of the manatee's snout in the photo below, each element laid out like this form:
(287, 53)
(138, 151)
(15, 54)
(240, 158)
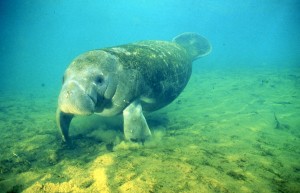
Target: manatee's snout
(77, 99)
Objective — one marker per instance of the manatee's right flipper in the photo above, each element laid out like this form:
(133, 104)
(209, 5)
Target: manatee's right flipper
(135, 125)
(196, 45)
(63, 121)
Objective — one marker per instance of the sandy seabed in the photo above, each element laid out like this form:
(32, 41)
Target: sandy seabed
(231, 130)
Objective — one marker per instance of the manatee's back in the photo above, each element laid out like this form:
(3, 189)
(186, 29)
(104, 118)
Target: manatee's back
(165, 67)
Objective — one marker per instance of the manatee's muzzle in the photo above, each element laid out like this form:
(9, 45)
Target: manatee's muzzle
(75, 99)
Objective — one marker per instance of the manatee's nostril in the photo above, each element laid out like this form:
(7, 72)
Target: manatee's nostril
(68, 94)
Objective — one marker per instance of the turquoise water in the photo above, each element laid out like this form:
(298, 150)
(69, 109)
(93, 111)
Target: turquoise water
(235, 127)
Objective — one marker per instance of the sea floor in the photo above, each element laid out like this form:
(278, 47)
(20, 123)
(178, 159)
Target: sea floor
(231, 130)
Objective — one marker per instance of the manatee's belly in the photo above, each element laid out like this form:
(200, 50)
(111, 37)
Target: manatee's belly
(164, 68)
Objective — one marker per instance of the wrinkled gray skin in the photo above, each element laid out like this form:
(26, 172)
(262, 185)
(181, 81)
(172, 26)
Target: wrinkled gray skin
(128, 79)
(90, 84)
(95, 82)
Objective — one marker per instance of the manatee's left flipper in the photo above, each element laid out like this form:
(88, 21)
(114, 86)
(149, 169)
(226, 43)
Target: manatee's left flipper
(135, 125)
(63, 121)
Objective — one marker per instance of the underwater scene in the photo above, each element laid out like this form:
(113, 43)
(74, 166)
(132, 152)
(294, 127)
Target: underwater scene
(202, 96)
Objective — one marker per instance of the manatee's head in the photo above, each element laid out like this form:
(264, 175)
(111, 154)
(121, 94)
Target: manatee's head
(89, 83)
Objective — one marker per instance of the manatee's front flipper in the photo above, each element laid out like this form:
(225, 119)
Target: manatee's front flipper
(63, 121)
(135, 125)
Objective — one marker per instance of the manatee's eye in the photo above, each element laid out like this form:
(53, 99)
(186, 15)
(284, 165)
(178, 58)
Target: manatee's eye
(99, 79)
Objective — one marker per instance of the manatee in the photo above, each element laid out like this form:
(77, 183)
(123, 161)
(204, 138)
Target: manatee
(128, 79)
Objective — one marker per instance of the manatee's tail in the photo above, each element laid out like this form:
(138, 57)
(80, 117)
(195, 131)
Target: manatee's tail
(196, 45)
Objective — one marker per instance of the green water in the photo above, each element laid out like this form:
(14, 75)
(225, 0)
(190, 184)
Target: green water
(234, 128)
